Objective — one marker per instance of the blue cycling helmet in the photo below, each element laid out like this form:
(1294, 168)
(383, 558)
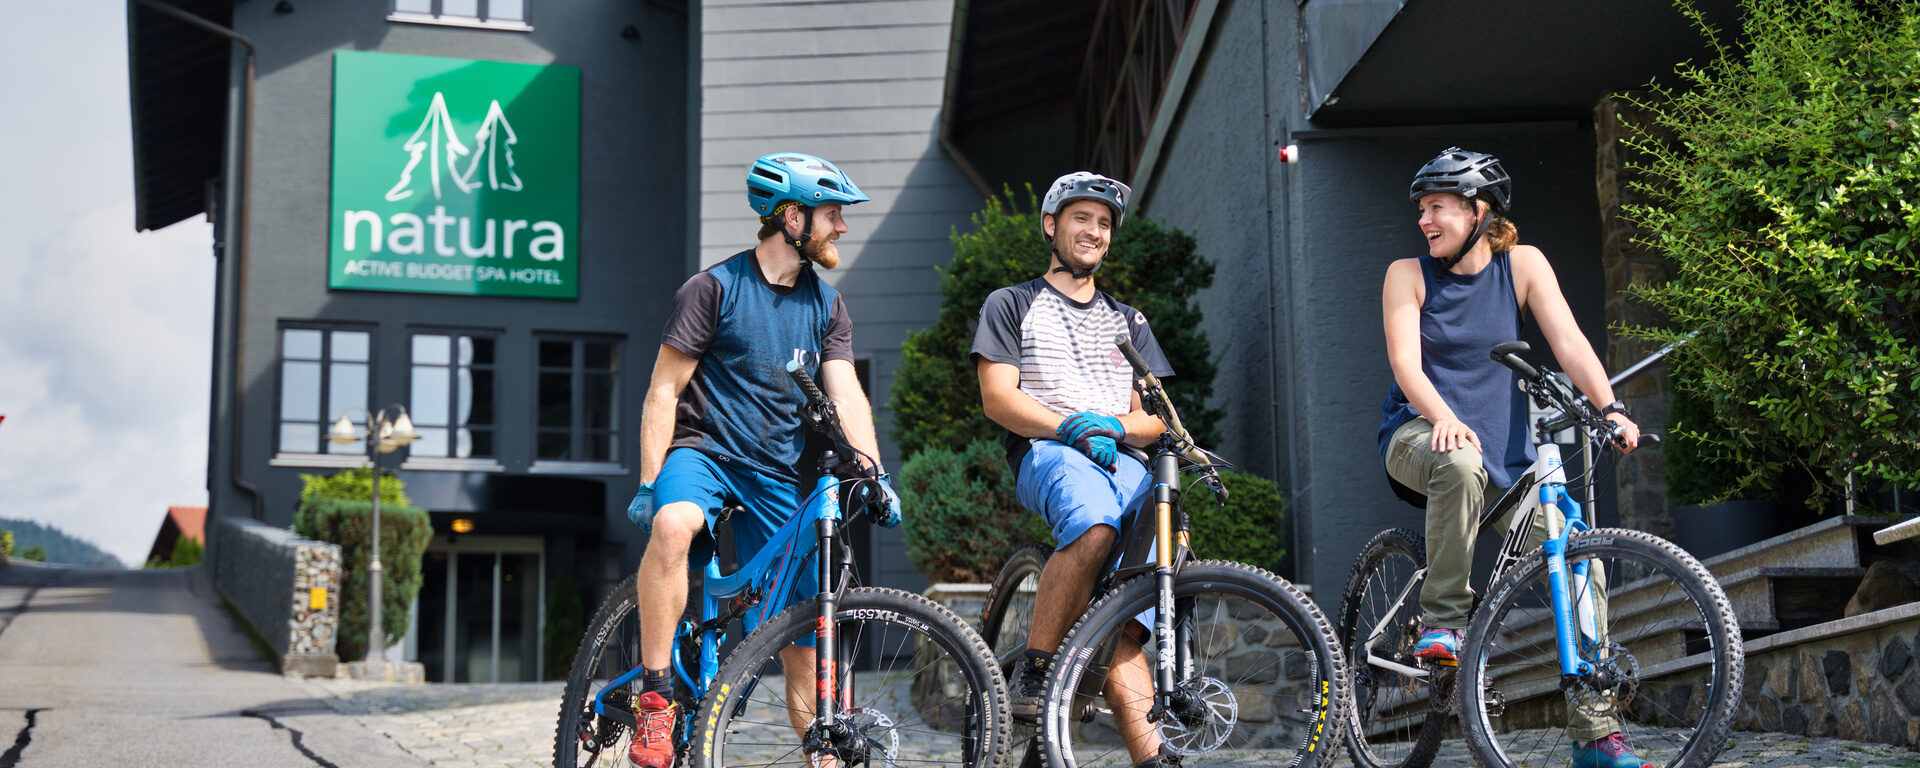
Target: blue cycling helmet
(791, 177)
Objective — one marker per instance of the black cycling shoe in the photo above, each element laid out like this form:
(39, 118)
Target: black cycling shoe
(1029, 690)
(1165, 759)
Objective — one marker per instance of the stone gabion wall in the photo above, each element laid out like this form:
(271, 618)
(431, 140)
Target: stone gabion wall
(1864, 686)
(268, 575)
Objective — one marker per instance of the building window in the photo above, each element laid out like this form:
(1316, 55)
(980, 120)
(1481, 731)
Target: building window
(323, 372)
(578, 418)
(452, 401)
(485, 14)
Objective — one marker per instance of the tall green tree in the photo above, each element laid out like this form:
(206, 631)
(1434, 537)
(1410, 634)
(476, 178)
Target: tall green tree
(1783, 180)
(1153, 268)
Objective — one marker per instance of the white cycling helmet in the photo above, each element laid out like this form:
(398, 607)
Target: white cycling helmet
(1083, 185)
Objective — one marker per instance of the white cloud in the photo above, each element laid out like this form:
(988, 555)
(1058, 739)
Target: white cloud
(105, 334)
(105, 360)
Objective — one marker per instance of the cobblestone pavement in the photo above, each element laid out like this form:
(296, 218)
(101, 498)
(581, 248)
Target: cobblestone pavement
(511, 726)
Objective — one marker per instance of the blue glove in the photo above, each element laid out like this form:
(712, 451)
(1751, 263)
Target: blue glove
(1083, 423)
(640, 510)
(1103, 446)
(891, 517)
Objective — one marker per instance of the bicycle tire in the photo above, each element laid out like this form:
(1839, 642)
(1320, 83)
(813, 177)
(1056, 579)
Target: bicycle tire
(1005, 623)
(744, 717)
(1666, 615)
(1392, 723)
(610, 648)
(1287, 683)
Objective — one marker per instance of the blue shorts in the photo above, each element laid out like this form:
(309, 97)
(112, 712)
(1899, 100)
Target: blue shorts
(690, 475)
(1073, 494)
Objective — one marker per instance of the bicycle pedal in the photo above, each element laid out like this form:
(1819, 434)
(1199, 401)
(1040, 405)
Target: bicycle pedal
(1444, 662)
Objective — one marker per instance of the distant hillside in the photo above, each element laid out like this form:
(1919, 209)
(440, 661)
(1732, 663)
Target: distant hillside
(61, 546)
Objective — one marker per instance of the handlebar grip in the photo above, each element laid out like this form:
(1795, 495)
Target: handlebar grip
(1125, 342)
(800, 376)
(1508, 353)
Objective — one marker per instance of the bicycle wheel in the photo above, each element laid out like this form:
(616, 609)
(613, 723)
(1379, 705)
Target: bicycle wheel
(610, 648)
(1005, 624)
(1667, 664)
(1393, 722)
(1266, 680)
(924, 692)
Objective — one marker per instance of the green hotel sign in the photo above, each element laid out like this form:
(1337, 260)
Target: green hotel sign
(455, 176)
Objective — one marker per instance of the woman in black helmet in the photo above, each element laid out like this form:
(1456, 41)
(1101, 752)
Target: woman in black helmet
(1454, 424)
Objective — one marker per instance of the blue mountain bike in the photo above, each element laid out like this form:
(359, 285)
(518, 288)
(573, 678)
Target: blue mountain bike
(1580, 629)
(898, 678)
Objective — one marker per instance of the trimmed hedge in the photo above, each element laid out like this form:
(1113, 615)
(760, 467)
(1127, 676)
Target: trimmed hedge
(404, 534)
(962, 519)
(1249, 529)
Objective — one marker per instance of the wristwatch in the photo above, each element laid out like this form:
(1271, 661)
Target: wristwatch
(1619, 407)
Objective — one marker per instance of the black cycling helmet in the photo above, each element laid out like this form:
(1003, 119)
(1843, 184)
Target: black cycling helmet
(1467, 174)
(1464, 173)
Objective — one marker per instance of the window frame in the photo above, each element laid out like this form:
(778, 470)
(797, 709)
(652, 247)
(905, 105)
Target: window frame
(576, 430)
(479, 21)
(323, 456)
(452, 463)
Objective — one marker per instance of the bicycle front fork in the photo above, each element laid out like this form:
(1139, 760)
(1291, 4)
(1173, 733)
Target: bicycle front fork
(1575, 622)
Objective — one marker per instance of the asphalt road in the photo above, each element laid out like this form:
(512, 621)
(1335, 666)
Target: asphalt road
(143, 668)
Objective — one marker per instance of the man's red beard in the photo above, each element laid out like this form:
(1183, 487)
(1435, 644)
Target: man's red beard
(821, 250)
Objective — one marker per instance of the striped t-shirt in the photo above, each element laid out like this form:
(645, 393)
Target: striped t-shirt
(1064, 349)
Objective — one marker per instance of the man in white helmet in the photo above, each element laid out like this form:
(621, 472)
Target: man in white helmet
(1050, 373)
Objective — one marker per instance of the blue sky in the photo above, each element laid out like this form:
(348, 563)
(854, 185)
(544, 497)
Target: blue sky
(105, 333)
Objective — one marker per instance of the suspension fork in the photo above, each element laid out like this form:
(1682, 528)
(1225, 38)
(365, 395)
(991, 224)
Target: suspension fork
(826, 654)
(1174, 640)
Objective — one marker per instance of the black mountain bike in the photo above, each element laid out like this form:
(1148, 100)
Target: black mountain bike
(1243, 667)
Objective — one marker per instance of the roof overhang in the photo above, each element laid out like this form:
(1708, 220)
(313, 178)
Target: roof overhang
(1386, 62)
(179, 76)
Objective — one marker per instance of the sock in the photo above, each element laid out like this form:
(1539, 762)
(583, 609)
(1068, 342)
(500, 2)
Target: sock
(1038, 661)
(660, 682)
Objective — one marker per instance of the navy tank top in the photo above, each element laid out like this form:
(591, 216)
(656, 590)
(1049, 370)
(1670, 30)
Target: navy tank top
(1463, 317)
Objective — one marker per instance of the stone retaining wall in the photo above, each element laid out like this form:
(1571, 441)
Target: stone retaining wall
(1856, 678)
(270, 577)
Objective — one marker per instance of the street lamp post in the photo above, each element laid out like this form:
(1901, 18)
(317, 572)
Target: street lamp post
(385, 433)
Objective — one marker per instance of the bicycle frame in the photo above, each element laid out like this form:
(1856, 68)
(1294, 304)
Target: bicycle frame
(767, 580)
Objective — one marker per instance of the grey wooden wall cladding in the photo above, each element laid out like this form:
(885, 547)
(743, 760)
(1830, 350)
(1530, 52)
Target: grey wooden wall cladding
(860, 84)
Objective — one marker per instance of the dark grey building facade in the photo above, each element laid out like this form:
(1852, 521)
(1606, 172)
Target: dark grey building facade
(528, 406)
(1193, 102)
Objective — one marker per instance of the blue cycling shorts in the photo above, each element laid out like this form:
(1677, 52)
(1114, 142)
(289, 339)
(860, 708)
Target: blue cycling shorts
(690, 475)
(1073, 494)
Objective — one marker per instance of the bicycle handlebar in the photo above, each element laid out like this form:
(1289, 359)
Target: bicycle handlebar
(1161, 405)
(820, 414)
(1549, 388)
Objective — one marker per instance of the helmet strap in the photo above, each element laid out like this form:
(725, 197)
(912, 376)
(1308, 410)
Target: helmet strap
(1078, 274)
(806, 228)
(1446, 265)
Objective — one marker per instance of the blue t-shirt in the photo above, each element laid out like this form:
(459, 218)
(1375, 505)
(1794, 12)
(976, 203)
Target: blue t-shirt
(1463, 317)
(741, 406)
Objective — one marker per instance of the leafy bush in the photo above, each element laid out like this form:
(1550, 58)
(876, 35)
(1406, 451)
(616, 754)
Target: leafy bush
(1249, 529)
(35, 553)
(566, 624)
(186, 551)
(960, 514)
(936, 394)
(6, 543)
(404, 534)
(1785, 198)
(355, 485)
